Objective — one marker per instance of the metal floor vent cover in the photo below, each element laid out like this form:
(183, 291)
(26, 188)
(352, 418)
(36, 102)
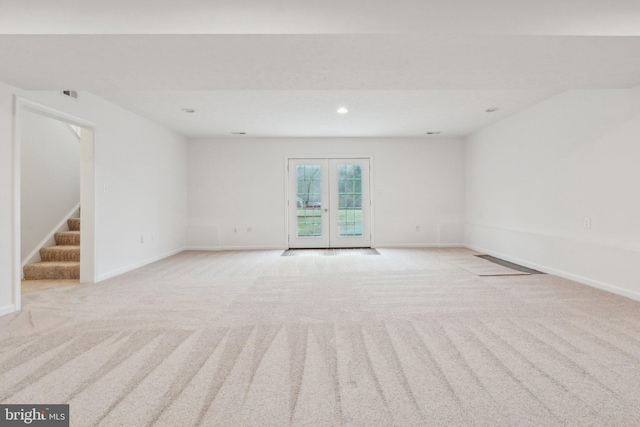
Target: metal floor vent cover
(510, 265)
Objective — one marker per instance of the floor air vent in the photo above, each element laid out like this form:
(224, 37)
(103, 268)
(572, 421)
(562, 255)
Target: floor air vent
(509, 264)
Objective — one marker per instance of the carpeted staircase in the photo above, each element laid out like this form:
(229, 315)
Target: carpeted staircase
(59, 262)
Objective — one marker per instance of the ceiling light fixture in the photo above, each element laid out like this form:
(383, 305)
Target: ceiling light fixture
(342, 110)
(492, 109)
(189, 110)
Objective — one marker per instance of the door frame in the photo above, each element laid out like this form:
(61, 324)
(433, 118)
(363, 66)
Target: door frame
(334, 156)
(87, 191)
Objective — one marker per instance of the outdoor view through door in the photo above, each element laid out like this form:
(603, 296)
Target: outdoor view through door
(329, 203)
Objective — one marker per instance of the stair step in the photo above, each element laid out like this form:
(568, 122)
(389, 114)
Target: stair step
(68, 238)
(52, 271)
(74, 224)
(60, 253)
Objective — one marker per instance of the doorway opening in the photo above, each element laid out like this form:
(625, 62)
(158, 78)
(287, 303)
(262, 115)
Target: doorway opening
(26, 114)
(329, 203)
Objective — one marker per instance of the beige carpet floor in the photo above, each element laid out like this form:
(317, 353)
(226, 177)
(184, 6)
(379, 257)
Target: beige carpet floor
(29, 286)
(405, 338)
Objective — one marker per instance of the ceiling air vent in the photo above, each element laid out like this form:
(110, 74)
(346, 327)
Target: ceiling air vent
(70, 93)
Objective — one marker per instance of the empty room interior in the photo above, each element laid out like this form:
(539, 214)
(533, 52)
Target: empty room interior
(406, 213)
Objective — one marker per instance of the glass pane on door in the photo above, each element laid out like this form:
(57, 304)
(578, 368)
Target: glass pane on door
(309, 200)
(349, 200)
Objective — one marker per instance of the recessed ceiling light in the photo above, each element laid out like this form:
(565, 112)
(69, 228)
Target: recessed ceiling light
(492, 109)
(189, 110)
(238, 133)
(342, 110)
(433, 133)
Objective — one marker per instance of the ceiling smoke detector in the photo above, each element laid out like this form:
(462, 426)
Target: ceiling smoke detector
(433, 133)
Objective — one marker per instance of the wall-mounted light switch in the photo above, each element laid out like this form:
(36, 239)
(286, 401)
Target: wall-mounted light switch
(586, 222)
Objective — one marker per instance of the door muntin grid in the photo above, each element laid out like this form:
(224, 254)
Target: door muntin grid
(309, 200)
(350, 213)
(328, 203)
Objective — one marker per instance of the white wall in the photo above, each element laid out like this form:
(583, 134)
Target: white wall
(141, 175)
(533, 178)
(240, 183)
(50, 178)
(6, 198)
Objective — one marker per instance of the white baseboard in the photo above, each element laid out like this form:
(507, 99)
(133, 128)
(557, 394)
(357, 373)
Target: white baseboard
(420, 245)
(234, 248)
(7, 309)
(269, 248)
(131, 267)
(281, 248)
(564, 274)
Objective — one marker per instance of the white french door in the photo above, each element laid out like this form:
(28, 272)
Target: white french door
(329, 204)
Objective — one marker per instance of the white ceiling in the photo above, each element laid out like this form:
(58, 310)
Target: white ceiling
(507, 17)
(313, 113)
(282, 68)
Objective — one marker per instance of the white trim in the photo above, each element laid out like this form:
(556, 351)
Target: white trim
(269, 248)
(235, 248)
(286, 202)
(7, 309)
(59, 227)
(572, 238)
(421, 245)
(338, 156)
(87, 197)
(324, 239)
(364, 240)
(560, 273)
(77, 137)
(16, 257)
(52, 113)
(137, 265)
(88, 244)
(372, 204)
